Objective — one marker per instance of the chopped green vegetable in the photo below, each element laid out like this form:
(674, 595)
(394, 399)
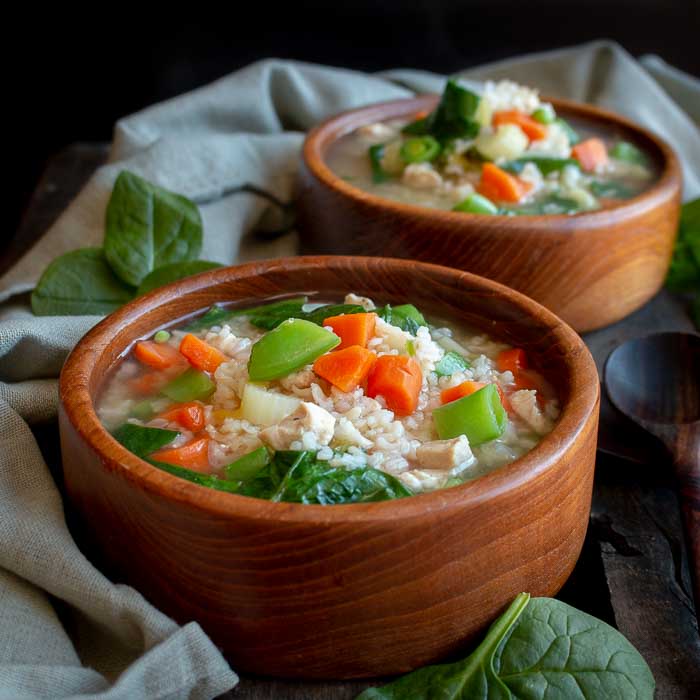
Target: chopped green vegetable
(175, 271)
(571, 134)
(287, 348)
(544, 115)
(476, 204)
(247, 466)
(148, 227)
(143, 441)
(450, 363)
(79, 283)
(455, 115)
(376, 153)
(410, 348)
(211, 481)
(480, 416)
(320, 314)
(143, 410)
(552, 204)
(419, 127)
(404, 316)
(420, 149)
(545, 164)
(161, 337)
(266, 316)
(628, 152)
(191, 385)
(539, 648)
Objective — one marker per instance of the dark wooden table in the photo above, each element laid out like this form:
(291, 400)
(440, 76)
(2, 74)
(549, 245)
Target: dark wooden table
(633, 570)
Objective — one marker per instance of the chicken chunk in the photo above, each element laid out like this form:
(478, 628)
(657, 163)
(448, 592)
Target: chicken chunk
(524, 403)
(446, 455)
(310, 424)
(347, 434)
(421, 176)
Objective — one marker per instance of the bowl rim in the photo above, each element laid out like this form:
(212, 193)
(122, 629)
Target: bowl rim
(319, 139)
(76, 403)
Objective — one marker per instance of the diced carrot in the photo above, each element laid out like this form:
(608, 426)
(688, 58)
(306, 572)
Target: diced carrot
(347, 368)
(533, 129)
(157, 355)
(498, 185)
(200, 354)
(459, 391)
(591, 153)
(148, 384)
(511, 360)
(422, 114)
(352, 329)
(189, 415)
(193, 455)
(398, 378)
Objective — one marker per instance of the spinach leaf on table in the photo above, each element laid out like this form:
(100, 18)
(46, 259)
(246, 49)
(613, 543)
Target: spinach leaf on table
(147, 227)
(79, 283)
(173, 272)
(539, 648)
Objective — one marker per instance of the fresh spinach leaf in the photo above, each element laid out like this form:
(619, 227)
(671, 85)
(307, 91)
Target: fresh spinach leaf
(320, 314)
(405, 316)
(143, 441)
(454, 117)
(419, 127)
(267, 316)
(267, 481)
(545, 164)
(248, 466)
(376, 153)
(173, 272)
(611, 189)
(79, 283)
(538, 648)
(147, 227)
(553, 204)
(450, 363)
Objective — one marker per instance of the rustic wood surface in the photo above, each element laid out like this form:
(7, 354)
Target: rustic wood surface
(632, 571)
(590, 269)
(388, 586)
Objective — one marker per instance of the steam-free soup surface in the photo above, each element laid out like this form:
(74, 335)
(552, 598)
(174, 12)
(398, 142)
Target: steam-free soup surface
(508, 153)
(327, 404)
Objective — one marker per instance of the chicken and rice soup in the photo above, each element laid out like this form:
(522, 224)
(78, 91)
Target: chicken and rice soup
(332, 403)
(501, 152)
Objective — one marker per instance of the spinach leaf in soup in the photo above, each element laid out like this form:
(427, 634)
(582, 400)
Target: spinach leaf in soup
(79, 283)
(173, 272)
(455, 115)
(148, 227)
(539, 648)
(211, 481)
(143, 441)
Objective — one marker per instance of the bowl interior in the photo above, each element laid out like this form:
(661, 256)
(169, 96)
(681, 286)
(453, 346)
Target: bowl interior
(553, 347)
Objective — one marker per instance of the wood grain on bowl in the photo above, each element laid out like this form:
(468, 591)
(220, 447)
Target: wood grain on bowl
(338, 591)
(591, 269)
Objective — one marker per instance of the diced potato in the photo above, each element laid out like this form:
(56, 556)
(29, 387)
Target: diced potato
(263, 407)
(508, 141)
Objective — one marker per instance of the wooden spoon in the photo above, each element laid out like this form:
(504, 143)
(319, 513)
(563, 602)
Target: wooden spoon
(655, 381)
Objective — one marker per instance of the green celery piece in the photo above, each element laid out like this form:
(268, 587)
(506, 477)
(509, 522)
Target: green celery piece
(143, 441)
(571, 133)
(209, 480)
(420, 149)
(629, 153)
(545, 164)
(247, 466)
(476, 204)
(480, 416)
(450, 363)
(267, 315)
(376, 153)
(288, 347)
(191, 385)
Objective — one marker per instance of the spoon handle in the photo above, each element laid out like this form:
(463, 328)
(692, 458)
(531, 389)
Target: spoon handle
(687, 464)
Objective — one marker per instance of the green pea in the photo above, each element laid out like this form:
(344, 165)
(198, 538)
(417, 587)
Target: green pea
(476, 204)
(544, 115)
(161, 337)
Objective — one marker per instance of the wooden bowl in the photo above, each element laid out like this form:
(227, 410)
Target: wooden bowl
(591, 269)
(337, 591)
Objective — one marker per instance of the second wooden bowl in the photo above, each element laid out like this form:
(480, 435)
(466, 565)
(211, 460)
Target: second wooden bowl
(337, 591)
(591, 269)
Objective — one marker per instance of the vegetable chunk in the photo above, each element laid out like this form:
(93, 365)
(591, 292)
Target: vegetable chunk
(347, 368)
(398, 378)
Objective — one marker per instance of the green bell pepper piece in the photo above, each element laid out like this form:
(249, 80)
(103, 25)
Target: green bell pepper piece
(191, 385)
(247, 466)
(287, 348)
(480, 416)
(476, 204)
(420, 149)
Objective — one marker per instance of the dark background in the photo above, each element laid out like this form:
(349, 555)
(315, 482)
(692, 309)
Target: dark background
(69, 78)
